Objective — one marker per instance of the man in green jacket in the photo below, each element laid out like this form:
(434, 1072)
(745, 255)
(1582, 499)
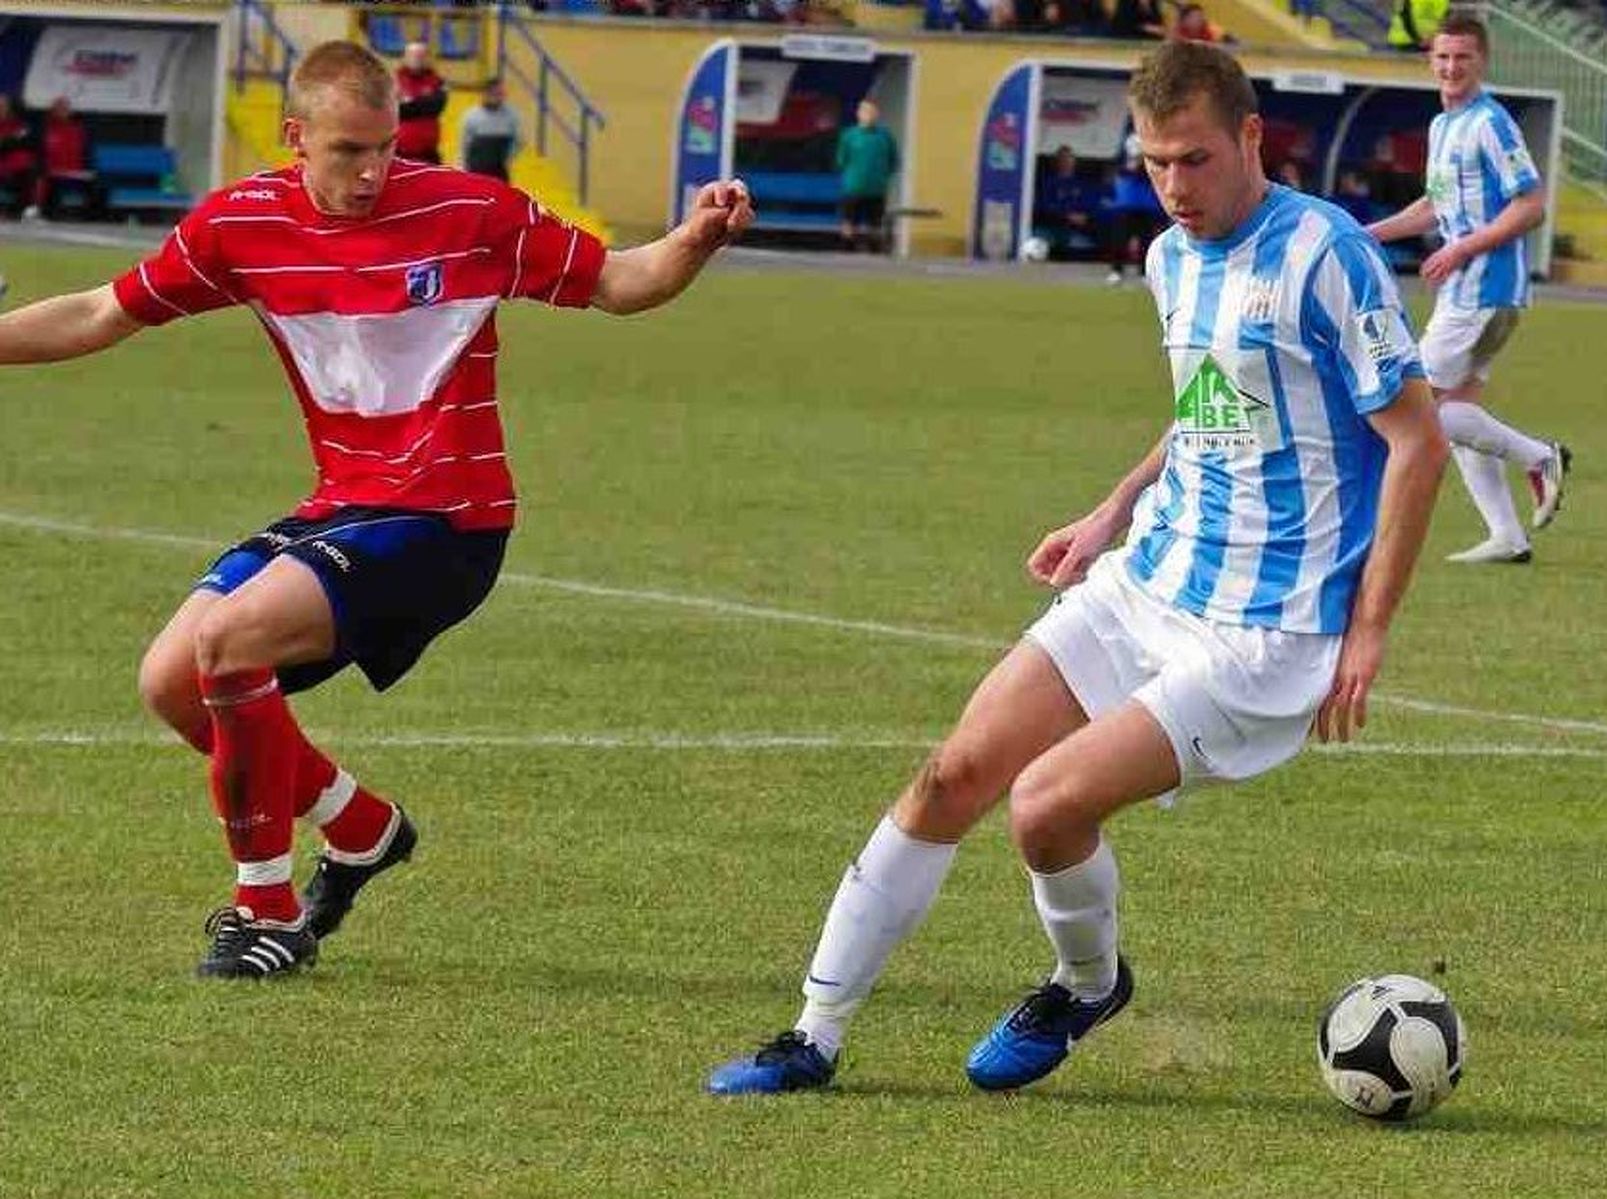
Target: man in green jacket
(1414, 23)
(867, 156)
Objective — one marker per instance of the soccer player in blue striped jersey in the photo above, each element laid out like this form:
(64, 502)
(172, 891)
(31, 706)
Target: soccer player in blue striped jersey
(1484, 195)
(1271, 533)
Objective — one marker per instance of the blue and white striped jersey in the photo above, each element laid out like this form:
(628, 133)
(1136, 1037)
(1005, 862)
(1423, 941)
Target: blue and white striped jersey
(1282, 337)
(1477, 164)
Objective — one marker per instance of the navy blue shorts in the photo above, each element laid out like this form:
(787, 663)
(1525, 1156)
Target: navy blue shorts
(395, 579)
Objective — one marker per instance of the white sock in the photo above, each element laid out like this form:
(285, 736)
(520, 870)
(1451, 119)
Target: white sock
(1078, 908)
(1471, 425)
(1485, 477)
(881, 900)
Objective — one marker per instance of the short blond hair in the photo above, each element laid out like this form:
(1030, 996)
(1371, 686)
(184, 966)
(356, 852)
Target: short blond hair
(344, 66)
(1168, 79)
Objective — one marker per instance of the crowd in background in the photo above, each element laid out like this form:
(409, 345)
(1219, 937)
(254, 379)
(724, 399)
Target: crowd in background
(1130, 20)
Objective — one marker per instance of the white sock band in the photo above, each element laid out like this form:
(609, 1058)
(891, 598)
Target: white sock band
(332, 800)
(264, 874)
(1077, 906)
(368, 856)
(881, 900)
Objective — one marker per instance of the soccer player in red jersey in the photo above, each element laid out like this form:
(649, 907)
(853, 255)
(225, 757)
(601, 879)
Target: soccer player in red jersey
(377, 281)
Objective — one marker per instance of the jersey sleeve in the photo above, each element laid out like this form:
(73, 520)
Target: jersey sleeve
(1502, 147)
(546, 258)
(185, 277)
(1355, 311)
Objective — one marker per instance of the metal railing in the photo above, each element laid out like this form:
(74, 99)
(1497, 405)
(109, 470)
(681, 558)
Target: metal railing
(263, 50)
(550, 89)
(1524, 55)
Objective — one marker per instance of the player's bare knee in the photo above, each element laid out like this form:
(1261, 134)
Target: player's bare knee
(223, 641)
(163, 687)
(1048, 819)
(949, 794)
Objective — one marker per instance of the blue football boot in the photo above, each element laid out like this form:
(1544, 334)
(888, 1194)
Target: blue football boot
(1035, 1036)
(788, 1063)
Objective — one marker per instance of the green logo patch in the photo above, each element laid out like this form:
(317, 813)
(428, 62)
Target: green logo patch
(1214, 414)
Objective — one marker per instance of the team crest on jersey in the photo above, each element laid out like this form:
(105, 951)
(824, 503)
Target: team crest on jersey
(424, 285)
(1261, 299)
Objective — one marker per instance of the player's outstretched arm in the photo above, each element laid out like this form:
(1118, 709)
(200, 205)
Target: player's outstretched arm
(1418, 451)
(1065, 554)
(1416, 219)
(644, 277)
(65, 327)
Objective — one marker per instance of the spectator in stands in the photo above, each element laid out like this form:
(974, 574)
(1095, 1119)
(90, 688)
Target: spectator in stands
(1066, 207)
(17, 157)
(1399, 161)
(1136, 215)
(1355, 196)
(421, 95)
(66, 161)
(956, 14)
(1136, 20)
(1413, 25)
(867, 157)
(489, 134)
(1193, 26)
(1075, 18)
(1290, 175)
(1001, 13)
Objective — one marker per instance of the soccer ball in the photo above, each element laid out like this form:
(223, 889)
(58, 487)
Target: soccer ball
(1035, 249)
(1391, 1047)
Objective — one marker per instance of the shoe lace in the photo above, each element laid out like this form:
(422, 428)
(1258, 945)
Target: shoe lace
(783, 1047)
(1040, 1007)
(225, 926)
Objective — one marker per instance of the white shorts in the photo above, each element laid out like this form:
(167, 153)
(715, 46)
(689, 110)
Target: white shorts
(1459, 344)
(1234, 701)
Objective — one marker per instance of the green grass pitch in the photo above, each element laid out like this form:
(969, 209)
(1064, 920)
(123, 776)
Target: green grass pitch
(617, 887)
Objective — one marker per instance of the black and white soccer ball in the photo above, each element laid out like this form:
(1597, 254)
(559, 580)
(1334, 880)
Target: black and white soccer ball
(1391, 1047)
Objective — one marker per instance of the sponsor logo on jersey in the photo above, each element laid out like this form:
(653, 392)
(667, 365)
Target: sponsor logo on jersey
(424, 283)
(253, 193)
(1383, 333)
(1215, 414)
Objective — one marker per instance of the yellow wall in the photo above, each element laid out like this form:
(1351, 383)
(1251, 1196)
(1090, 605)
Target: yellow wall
(635, 73)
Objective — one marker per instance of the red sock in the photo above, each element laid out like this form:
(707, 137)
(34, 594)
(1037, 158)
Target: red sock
(352, 819)
(253, 779)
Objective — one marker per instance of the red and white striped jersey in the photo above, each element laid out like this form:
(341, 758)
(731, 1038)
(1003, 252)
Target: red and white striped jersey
(385, 324)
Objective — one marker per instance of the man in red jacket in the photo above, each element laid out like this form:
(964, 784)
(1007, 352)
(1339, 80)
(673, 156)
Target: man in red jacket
(17, 158)
(421, 95)
(66, 146)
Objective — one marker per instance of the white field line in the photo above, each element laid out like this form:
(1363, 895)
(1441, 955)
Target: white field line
(738, 743)
(721, 607)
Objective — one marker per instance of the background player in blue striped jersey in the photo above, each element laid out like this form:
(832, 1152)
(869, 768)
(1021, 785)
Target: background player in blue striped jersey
(1272, 533)
(1484, 194)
